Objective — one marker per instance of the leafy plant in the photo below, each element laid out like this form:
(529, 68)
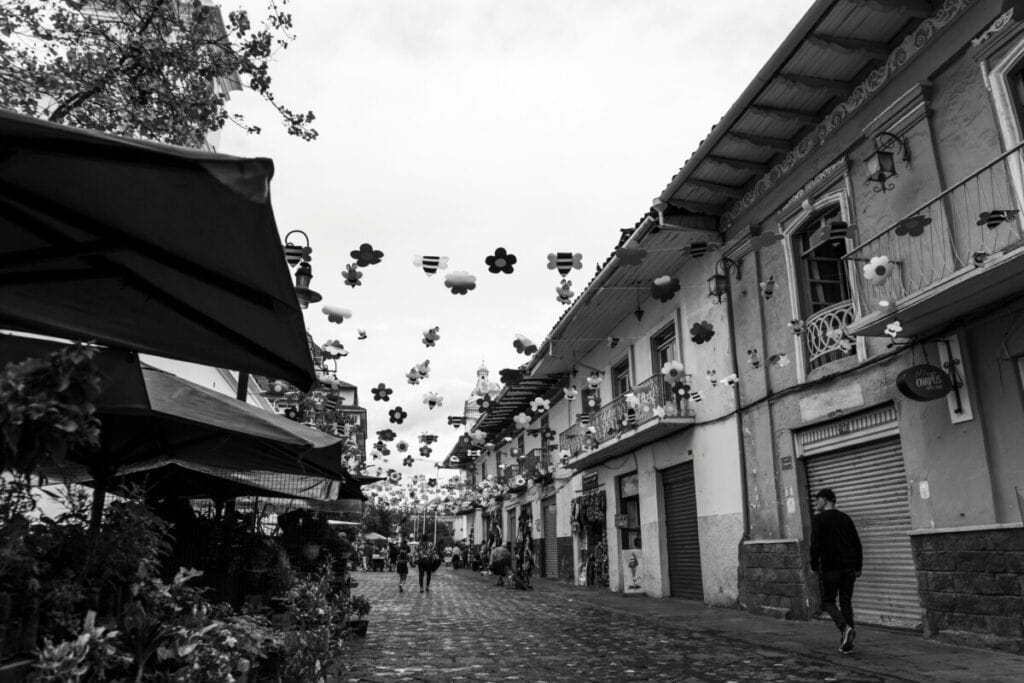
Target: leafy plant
(359, 606)
(157, 69)
(47, 410)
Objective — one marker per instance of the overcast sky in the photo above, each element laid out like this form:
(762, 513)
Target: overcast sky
(453, 127)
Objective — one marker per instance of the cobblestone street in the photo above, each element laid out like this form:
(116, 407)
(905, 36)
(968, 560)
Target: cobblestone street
(467, 629)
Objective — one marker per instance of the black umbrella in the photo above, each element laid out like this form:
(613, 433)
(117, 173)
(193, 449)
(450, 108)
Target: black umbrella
(143, 246)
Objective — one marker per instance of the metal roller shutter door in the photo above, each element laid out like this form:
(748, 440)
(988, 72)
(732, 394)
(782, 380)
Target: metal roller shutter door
(871, 487)
(684, 574)
(550, 512)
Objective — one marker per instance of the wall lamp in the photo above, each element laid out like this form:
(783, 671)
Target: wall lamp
(881, 164)
(718, 283)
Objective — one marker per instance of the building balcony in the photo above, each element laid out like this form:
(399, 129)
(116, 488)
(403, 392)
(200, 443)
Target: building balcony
(959, 252)
(648, 412)
(825, 335)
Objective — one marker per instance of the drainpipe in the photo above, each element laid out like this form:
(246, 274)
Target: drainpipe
(739, 413)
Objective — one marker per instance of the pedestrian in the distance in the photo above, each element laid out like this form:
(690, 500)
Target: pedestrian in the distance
(501, 561)
(456, 557)
(836, 557)
(427, 560)
(402, 565)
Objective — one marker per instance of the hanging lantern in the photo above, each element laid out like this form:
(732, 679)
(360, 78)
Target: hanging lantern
(303, 276)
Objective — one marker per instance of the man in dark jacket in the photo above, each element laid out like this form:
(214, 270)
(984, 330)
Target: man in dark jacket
(836, 557)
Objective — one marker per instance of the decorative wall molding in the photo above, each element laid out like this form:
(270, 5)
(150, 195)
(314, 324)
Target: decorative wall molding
(899, 58)
(998, 25)
(825, 177)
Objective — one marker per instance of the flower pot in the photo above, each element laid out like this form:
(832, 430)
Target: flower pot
(358, 627)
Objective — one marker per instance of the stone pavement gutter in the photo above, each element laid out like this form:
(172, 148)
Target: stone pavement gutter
(894, 654)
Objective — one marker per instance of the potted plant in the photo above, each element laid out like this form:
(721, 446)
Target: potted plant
(358, 608)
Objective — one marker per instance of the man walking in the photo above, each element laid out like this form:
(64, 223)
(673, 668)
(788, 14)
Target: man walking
(836, 557)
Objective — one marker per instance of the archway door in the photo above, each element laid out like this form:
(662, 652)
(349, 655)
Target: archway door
(871, 487)
(681, 532)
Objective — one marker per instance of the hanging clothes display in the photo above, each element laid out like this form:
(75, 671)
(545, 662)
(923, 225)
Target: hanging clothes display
(588, 519)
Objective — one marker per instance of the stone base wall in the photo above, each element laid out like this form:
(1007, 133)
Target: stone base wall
(972, 587)
(773, 580)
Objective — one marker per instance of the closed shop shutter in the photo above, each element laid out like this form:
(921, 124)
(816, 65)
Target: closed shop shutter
(550, 512)
(681, 532)
(510, 530)
(870, 484)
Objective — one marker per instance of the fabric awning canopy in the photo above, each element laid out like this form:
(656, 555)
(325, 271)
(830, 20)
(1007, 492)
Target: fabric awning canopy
(148, 414)
(137, 245)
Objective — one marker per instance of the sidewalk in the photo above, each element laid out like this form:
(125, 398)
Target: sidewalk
(889, 653)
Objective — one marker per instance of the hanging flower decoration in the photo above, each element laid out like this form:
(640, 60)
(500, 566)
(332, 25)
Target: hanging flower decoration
(564, 261)
(878, 270)
(913, 226)
(460, 282)
(613, 342)
(484, 402)
(753, 358)
(993, 219)
(768, 287)
(760, 238)
(673, 370)
(431, 336)
(664, 288)
(540, 405)
(658, 412)
(433, 400)
(431, 264)
(362, 334)
(402, 446)
(381, 392)
(779, 360)
(501, 261)
(408, 461)
(522, 420)
(570, 392)
(631, 256)
(702, 332)
(731, 380)
(383, 448)
(397, 416)
(386, 434)
(712, 376)
(681, 389)
(842, 338)
(375, 453)
(366, 255)
(334, 349)
(336, 314)
(511, 377)
(477, 436)
(524, 346)
(423, 369)
(394, 477)
(594, 380)
(564, 293)
(894, 329)
(413, 376)
(632, 400)
(796, 325)
(353, 276)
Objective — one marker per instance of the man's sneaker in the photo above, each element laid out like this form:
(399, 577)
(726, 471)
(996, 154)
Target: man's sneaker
(399, 588)
(846, 644)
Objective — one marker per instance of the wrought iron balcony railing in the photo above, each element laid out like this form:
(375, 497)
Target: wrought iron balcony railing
(649, 400)
(825, 334)
(959, 229)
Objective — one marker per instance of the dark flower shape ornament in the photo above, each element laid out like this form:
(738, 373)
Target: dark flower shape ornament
(386, 434)
(366, 255)
(501, 261)
(397, 416)
(381, 392)
(702, 332)
(484, 402)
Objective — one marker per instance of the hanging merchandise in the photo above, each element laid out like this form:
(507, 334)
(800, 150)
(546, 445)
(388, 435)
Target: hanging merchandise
(353, 276)
(631, 256)
(664, 288)
(759, 238)
(564, 293)
(336, 314)
(702, 332)
(993, 219)
(878, 270)
(460, 282)
(431, 336)
(366, 255)
(501, 261)
(768, 287)
(564, 261)
(913, 226)
(431, 264)
(523, 345)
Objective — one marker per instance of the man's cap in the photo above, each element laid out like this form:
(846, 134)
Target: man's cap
(827, 494)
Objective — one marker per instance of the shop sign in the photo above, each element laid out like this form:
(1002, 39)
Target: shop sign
(589, 480)
(924, 383)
